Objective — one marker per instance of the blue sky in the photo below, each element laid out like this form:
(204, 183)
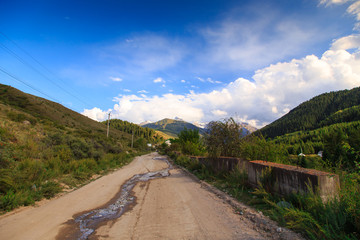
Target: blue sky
(197, 60)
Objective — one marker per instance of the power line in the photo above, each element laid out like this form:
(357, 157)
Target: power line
(36, 70)
(27, 84)
(22, 49)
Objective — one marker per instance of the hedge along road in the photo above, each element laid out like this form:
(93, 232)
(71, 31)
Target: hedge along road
(157, 205)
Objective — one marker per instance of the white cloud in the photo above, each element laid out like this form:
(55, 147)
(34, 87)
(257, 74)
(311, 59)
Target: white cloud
(148, 52)
(143, 91)
(159, 80)
(219, 113)
(271, 92)
(209, 80)
(348, 42)
(126, 90)
(183, 81)
(116, 79)
(95, 114)
(353, 9)
(249, 44)
(330, 2)
(200, 79)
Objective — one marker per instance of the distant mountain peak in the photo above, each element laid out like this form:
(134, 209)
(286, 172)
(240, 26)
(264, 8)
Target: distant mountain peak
(179, 119)
(172, 126)
(200, 124)
(144, 123)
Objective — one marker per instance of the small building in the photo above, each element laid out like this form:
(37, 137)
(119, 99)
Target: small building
(168, 142)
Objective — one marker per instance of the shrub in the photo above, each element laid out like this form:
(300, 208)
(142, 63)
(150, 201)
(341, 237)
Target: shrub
(63, 152)
(49, 189)
(6, 180)
(224, 138)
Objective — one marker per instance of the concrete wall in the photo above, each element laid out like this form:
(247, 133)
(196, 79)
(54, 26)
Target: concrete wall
(288, 179)
(223, 164)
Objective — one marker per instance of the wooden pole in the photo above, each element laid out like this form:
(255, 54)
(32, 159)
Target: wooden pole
(108, 126)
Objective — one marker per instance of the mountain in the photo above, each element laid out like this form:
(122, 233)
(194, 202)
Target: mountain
(19, 106)
(200, 124)
(247, 128)
(320, 111)
(150, 135)
(144, 123)
(172, 127)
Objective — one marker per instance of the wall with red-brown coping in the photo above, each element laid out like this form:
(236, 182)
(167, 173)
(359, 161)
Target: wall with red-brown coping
(286, 179)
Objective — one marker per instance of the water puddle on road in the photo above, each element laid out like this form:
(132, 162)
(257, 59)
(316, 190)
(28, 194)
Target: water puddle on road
(90, 220)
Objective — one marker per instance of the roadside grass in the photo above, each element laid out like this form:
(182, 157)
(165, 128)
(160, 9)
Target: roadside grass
(38, 161)
(32, 180)
(45, 147)
(338, 218)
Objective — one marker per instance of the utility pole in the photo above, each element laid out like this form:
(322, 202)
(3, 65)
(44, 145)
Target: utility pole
(107, 134)
(132, 139)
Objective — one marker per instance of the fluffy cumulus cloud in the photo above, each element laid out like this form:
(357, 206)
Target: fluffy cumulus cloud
(95, 113)
(271, 92)
(159, 80)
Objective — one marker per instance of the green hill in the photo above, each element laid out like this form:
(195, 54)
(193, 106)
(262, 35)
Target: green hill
(45, 147)
(320, 111)
(150, 135)
(172, 127)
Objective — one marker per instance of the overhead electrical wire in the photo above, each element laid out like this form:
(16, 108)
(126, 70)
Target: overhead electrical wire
(36, 70)
(27, 84)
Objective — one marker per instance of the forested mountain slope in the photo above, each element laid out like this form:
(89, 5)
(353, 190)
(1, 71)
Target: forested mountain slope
(139, 132)
(172, 127)
(320, 111)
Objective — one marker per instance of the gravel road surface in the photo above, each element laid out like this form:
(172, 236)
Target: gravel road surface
(152, 206)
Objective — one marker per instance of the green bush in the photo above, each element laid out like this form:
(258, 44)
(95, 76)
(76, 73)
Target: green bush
(49, 189)
(6, 180)
(8, 201)
(30, 171)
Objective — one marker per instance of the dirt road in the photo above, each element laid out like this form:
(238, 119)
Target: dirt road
(167, 207)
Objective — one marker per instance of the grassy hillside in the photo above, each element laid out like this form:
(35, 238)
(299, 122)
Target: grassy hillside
(36, 109)
(45, 148)
(172, 127)
(320, 111)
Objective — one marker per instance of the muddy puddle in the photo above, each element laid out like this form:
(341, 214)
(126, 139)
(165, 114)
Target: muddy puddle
(89, 221)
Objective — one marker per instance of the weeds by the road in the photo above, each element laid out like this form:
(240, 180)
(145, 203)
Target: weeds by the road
(31, 180)
(37, 163)
(338, 218)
